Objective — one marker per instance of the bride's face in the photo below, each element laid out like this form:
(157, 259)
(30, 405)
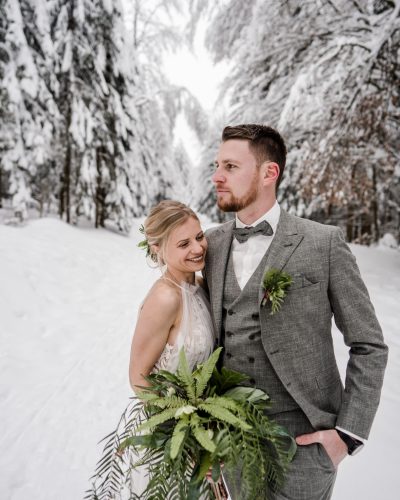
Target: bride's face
(185, 249)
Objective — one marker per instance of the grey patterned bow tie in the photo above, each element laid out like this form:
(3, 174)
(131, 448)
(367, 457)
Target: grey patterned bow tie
(242, 234)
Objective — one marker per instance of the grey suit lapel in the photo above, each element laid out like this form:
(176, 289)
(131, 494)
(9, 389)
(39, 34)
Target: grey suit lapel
(222, 244)
(285, 242)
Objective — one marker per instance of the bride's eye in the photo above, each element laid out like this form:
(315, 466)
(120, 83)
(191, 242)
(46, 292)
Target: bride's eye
(200, 237)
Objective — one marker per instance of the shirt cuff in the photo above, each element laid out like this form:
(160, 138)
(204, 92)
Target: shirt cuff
(351, 434)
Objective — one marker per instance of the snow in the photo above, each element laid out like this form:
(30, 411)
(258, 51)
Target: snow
(68, 301)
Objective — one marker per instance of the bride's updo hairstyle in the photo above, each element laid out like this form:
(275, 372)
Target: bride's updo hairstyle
(161, 221)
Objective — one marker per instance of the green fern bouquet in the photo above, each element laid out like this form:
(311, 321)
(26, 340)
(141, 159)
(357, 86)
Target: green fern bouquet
(188, 423)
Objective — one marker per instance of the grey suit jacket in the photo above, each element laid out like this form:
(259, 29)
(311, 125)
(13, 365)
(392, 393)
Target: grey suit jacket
(297, 339)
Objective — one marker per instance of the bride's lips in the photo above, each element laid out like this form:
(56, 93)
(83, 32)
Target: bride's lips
(197, 259)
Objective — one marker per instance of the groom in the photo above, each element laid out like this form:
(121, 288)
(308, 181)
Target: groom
(290, 354)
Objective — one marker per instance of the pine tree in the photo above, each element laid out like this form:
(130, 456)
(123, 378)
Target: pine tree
(29, 111)
(5, 115)
(86, 121)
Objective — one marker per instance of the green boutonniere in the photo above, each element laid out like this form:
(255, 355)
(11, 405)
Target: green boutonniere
(275, 284)
(144, 244)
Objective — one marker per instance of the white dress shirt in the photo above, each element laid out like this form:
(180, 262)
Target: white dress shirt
(247, 255)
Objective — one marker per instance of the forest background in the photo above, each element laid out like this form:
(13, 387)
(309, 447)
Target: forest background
(87, 114)
(96, 126)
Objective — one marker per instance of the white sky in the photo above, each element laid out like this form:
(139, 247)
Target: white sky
(196, 71)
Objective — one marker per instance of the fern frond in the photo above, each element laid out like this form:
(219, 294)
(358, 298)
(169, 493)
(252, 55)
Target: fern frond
(170, 402)
(201, 434)
(204, 373)
(158, 419)
(178, 436)
(204, 465)
(224, 402)
(225, 379)
(223, 414)
(110, 471)
(185, 375)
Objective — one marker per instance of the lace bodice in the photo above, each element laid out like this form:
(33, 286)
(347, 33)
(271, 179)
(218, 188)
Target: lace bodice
(195, 334)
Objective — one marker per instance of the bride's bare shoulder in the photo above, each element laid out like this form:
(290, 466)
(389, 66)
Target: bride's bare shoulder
(163, 297)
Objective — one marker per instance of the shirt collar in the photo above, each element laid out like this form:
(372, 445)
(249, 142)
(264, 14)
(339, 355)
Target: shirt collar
(272, 217)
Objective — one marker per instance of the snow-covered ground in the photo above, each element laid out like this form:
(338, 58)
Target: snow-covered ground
(68, 301)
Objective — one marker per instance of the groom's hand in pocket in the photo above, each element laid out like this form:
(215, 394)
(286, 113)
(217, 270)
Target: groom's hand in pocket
(330, 440)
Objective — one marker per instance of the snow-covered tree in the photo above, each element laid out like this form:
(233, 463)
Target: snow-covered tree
(5, 115)
(155, 30)
(317, 70)
(94, 77)
(87, 118)
(27, 118)
(205, 199)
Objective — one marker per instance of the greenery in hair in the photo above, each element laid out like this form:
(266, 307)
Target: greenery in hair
(144, 244)
(185, 424)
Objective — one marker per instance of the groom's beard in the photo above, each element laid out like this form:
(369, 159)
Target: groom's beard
(235, 204)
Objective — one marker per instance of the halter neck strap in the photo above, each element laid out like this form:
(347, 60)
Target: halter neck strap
(186, 286)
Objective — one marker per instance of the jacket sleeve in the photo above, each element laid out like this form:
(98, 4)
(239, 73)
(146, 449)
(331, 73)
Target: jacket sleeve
(355, 317)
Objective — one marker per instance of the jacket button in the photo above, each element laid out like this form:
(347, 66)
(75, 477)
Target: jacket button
(252, 381)
(255, 316)
(252, 336)
(228, 355)
(230, 312)
(229, 334)
(251, 359)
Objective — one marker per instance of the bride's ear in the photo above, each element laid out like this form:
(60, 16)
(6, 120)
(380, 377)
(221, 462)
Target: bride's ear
(156, 251)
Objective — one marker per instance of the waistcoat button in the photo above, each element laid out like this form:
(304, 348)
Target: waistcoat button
(252, 336)
(255, 316)
(251, 359)
(252, 381)
(230, 312)
(228, 355)
(229, 334)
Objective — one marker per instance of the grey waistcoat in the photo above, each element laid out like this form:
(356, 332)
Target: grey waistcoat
(244, 351)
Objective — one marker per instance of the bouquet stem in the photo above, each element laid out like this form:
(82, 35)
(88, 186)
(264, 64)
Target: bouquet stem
(219, 490)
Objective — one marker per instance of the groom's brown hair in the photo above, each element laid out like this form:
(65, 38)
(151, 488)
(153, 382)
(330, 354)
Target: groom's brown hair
(265, 143)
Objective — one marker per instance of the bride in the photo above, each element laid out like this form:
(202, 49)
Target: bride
(176, 310)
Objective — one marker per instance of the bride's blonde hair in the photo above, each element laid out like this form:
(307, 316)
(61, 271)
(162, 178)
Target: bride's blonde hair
(161, 221)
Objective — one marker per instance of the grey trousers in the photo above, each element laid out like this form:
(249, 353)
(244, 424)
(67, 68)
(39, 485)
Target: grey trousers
(311, 475)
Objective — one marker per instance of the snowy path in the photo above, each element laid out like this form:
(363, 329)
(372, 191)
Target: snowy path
(68, 302)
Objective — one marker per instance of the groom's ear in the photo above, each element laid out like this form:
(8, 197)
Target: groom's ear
(270, 172)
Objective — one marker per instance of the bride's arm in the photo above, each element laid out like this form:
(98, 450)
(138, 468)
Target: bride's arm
(156, 319)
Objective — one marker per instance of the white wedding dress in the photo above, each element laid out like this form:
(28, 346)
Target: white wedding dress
(196, 336)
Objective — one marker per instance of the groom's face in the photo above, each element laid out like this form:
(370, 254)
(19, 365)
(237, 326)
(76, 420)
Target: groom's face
(237, 177)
